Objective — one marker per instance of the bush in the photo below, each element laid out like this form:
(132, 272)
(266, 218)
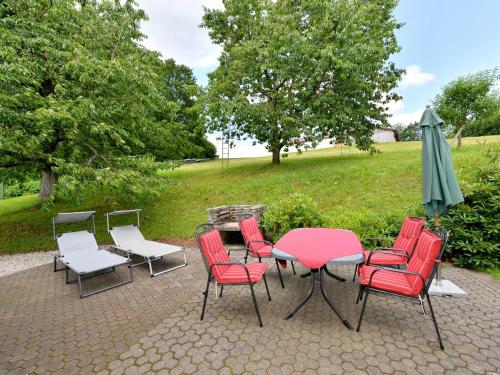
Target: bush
(14, 190)
(300, 211)
(31, 187)
(487, 126)
(17, 189)
(295, 211)
(368, 226)
(475, 224)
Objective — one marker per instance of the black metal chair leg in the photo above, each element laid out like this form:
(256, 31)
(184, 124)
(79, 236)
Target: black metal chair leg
(355, 272)
(293, 267)
(363, 309)
(255, 304)
(360, 293)
(246, 257)
(304, 300)
(279, 273)
(267, 288)
(205, 299)
(435, 321)
(221, 289)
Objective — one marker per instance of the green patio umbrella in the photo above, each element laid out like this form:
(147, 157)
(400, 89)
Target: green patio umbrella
(440, 186)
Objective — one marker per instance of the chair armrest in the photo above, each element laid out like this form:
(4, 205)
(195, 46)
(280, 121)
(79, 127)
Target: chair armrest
(395, 249)
(389, 251)
(258, 241)
(398, 271)
(232, 264)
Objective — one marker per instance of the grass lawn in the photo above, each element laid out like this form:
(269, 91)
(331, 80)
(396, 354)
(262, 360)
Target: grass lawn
(10, 205)
(359, 183)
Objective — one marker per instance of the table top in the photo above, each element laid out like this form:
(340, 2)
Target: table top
(315, 247)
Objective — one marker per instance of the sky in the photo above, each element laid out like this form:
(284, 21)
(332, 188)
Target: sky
(440, 40)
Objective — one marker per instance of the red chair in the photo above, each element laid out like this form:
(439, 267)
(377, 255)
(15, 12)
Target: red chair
(414, 281)
(222, 270)
(256, 246)
(402, 249)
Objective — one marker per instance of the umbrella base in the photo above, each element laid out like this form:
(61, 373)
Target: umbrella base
(445, 288)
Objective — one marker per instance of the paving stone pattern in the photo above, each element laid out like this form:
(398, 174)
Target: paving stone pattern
(152, 326)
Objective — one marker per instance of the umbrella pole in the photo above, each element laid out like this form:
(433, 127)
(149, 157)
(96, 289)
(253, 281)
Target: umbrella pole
(439, 275)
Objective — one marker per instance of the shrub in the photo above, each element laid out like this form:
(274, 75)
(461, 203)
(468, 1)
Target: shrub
(480, 127)
(368, 226)
(14, 190)
(294, 211)
(475, 224)
(31, 187)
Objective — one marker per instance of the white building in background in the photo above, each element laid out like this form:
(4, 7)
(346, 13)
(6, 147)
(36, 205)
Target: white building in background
(383, 135)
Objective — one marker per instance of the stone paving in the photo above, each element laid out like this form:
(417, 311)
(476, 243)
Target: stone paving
(152, 326)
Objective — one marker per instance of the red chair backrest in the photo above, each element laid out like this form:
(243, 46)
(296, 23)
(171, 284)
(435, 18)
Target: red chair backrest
(424, 258)
(251, 232)
(214, 251)
(409, 234)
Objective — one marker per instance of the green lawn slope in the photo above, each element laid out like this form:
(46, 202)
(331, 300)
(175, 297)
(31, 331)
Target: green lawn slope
(386, 182)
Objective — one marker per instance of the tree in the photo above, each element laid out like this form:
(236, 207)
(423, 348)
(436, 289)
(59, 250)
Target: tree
(409, 132)
(181, 88)
(81, 99)
(295, 70)
(468, 98)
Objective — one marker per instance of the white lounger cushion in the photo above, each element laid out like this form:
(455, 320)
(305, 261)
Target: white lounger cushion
(126, 234)
(79, 251)
(77, 241)
(129, 238)
(83, 262)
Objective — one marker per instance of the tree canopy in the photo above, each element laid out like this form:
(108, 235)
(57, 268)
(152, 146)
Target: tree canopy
(468, 98)
(81, 98)
(301, 70)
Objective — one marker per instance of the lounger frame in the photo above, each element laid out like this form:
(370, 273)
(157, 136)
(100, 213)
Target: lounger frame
(146, 259)
(74, 217)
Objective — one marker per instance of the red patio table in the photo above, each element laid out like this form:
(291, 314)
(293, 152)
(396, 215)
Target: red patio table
(315, 248)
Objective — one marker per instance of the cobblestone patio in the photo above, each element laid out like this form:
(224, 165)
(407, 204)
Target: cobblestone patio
(152, 325)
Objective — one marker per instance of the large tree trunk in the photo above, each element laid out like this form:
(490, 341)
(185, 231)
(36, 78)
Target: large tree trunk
(276, 155)
(47, 183)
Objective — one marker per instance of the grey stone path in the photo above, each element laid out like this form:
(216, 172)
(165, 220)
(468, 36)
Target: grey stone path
(153, 326)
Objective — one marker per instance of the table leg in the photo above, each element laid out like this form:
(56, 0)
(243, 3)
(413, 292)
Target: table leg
(305, 299)
(307, 274)
(330, 303)
(332, 275)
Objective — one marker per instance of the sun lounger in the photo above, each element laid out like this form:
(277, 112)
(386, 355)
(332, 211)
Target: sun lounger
(79, 252)
(128, 238)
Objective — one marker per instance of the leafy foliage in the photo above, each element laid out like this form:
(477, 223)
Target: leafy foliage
(411, 132)
(17, 189)
(372, 229)
(79, 95)
(486, 126)
(296, 71)
(300, 211)
(475, 224)
(294, 211)
(468, 98)
(128, 181)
